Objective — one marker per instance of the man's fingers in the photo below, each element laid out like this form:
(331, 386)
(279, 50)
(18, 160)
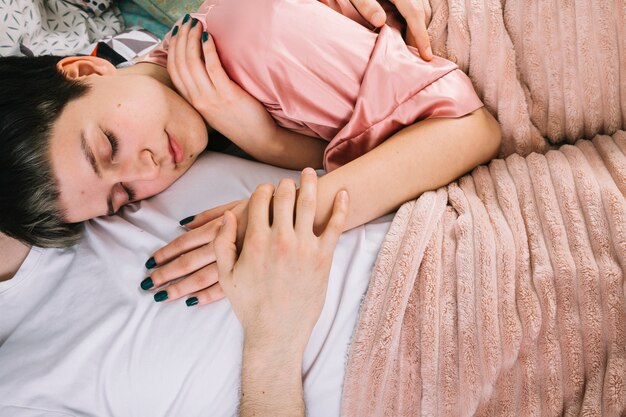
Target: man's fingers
(225, 250)
(307, 201)
(371, 11)
(337, 221)
(283, 204)
(258, 209)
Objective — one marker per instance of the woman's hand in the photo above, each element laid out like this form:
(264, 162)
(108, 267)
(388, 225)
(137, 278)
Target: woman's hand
(198, 75)
(417, 14)
(192, 257)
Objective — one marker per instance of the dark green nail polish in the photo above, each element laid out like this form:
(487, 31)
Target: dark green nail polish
(175, 31)
(150, 263)
(186, 220)
(194, 22)
(191, 301)
(186, 19)
(205, 36)
(160, 296)
(147, 283)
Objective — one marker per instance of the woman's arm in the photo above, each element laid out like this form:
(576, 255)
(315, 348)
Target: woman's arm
(421, 157)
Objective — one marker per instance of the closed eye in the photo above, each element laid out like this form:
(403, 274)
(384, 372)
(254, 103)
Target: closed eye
(114, 143)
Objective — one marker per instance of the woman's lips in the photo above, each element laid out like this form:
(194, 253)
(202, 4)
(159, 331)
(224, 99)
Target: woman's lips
(175, 150)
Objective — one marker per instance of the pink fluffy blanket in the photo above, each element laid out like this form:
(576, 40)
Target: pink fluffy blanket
(502, 294)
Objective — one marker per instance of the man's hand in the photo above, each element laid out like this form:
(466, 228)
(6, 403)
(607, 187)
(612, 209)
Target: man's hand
(417, 14)
(277, 288)
(278, 283)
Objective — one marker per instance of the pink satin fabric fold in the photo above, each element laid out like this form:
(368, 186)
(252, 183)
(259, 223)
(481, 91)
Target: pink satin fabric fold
(324, 75)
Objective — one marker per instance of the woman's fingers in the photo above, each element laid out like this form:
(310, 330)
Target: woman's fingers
(213, 65)
(198, 281)
(184, 243)
(206, 296)
(206, 216)
(184, 265)
(172, 67)
(307, 201)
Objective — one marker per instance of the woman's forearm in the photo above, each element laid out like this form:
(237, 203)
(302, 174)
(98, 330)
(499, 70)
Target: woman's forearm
(291, 150)
(419, 158)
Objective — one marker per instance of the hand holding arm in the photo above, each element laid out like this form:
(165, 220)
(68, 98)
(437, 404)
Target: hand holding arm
(277, 287)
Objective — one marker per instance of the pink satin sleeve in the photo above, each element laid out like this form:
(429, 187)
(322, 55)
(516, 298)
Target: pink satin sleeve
(323, 75)
(450, 96)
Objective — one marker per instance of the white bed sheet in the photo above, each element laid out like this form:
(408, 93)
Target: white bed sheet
(79, 337)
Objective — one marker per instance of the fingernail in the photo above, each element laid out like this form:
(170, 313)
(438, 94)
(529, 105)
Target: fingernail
(378, 16)
(160, 296)
(175, 31)
(343, 196)
(150, 263)
(186, 18)
(191, 301)
(147, 283)
(309, 170)
(205, 36)
(194, 22)
(429, 52)
(186, 220)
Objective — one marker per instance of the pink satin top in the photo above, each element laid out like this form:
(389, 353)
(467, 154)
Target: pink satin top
(319, 70)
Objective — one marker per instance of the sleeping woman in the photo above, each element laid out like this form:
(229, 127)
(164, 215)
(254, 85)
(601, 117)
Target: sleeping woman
(293, 83)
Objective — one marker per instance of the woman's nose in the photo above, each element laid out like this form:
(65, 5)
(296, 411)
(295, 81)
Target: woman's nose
(144, 168)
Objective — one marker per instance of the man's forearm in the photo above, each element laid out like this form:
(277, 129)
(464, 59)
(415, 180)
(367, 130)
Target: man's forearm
(419, 158)
(271, 381)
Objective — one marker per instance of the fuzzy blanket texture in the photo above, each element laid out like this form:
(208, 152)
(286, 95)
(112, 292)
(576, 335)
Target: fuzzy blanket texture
(503, 294)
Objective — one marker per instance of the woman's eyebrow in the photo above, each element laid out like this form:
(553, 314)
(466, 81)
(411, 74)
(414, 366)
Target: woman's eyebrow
(89, 154)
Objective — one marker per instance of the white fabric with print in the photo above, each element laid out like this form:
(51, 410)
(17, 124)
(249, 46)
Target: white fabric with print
(55, 27)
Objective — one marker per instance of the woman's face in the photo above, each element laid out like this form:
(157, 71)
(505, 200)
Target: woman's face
(128, 138)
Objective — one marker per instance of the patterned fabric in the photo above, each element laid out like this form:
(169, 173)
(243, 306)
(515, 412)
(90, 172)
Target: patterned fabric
(97, 7)
(135, 15)
(55, 27)
(131, 44)
(169, 11)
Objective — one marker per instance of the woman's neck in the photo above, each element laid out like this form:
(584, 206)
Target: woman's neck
(12, 255)
(155, 71)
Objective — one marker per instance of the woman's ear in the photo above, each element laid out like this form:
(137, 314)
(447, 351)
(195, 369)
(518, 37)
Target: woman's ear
(75, 67)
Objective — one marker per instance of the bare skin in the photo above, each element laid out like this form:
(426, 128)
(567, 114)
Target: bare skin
(12, 255)
(283, 261)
